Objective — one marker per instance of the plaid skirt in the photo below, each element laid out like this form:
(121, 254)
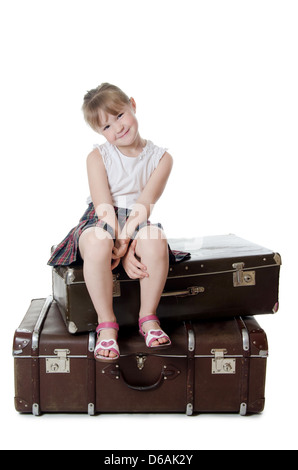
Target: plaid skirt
(67, 251)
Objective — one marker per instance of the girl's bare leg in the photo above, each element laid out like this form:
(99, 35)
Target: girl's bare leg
(97, 252)
(152, 249)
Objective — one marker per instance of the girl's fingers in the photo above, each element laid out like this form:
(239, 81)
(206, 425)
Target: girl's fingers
(138, 270)
(115, 263)
(119, 252)
(134, 275)
(133, 245)
(140, 266)
(115, 255)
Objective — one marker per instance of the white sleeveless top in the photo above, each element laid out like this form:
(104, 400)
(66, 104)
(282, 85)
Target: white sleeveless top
(128, 176)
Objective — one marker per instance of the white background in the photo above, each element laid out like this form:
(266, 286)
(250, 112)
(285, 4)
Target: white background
(216, 83)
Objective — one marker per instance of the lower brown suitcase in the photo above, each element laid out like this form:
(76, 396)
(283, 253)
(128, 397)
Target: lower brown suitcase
(211, 366)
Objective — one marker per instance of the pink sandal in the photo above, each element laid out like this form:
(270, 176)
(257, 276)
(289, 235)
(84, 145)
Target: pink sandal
(110, 344)
(153, 335)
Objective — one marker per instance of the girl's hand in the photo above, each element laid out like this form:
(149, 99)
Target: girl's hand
(119, 250)
(115, 263)
(133, 267)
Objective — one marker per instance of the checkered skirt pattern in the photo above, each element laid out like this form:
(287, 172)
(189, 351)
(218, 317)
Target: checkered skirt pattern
(67, 251)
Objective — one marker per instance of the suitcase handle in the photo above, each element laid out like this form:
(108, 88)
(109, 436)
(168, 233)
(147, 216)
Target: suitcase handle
(167, 373)
(194, 290)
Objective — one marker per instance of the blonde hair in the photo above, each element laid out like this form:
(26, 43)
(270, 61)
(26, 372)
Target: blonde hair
(109, 98)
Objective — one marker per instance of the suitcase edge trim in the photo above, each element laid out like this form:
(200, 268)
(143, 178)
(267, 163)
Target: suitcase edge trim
(39, 322)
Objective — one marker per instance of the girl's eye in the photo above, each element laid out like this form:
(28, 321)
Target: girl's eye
(106, 128)
(120, 115)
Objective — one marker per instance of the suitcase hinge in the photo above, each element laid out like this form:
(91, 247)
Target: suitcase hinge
(243, 278)
(221, 364)
(59, 364)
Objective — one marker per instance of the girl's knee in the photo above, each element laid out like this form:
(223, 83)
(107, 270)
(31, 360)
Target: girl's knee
(152, 241)
(161, 248)
(95, 244)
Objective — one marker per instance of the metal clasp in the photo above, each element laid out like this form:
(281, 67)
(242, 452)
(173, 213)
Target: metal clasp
(243, 278)
(59, 364)
(141, 361)
(221, 364)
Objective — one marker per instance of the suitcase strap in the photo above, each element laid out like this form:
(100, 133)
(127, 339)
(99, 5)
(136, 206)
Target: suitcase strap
(191, 340)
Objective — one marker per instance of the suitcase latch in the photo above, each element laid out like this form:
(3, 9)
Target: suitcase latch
(59, 364)
(243, 278)
(222, 364)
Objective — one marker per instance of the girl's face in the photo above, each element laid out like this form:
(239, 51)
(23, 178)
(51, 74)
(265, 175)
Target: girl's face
(120, 130)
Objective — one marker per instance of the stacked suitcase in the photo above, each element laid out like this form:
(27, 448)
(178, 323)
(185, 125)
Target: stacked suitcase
(217, 359)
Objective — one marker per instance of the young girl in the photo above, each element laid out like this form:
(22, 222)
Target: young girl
(127, 175)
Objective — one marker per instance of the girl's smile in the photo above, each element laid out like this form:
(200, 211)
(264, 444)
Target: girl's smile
(125, 134)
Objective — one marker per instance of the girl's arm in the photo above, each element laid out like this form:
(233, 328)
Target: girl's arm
(100, 191)
(102, 201)
(149, 196)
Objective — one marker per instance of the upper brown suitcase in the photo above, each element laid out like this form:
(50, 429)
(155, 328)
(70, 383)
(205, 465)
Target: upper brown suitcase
(211, 366)
(225, 276)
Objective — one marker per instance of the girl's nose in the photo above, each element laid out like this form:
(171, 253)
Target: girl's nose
(119, 127)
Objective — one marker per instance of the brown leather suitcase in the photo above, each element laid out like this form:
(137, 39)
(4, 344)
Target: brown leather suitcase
(211, 366)
(225, 276)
